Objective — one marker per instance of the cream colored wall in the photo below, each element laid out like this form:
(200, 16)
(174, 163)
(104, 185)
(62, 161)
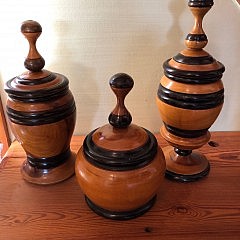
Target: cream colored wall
(90, 40)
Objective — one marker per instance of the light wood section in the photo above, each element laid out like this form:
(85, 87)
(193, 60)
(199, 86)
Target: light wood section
(207, 209)
(187, 119)
(195, 162)
(206, 67)
(124, 139)
(198, 14)
(120, 190)
(184, 143)
(194, 52)
(45, 140)
(191, 88)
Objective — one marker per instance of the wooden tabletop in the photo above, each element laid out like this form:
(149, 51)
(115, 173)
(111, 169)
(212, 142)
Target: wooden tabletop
(207, 209)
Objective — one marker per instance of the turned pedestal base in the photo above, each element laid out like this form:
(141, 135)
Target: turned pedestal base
(182, 163)
(45, 176)
(191, 167)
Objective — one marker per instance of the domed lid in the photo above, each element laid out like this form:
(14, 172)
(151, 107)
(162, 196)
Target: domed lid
(120, 145)
(194, 65)
(35, 85)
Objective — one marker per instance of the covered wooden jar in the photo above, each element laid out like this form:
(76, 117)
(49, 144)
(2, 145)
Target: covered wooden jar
(42, 114)
(190, 97)
(120, 166)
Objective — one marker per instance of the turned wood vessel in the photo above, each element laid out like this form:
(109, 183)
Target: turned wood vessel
(120, 166)
(42, 114)
(190, 98)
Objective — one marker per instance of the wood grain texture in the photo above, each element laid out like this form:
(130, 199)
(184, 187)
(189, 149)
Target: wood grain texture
(191, 88)
(121, 140)
(207, 209)
(120, 191)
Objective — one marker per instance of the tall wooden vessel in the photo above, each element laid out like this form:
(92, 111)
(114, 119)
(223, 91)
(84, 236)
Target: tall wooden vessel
(42, 115)
(189, 99)
(120, 166)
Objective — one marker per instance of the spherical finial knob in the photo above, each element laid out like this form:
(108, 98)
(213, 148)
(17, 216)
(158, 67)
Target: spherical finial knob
(200, 3)
(32, 30)
(121, 84)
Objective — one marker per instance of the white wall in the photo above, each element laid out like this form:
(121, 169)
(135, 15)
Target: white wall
(90, 40)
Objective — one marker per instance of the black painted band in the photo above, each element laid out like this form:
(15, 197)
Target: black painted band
(185, 133)
(50, 162)
(182, 152)
(197, 37)
(41, 117)
(41, 95)
(193, 60)
(200, 3)
(126, 215)
(34, 82)
(193, 77)
(120, 121)
(120, 160)
(187, 178)
(190, 101)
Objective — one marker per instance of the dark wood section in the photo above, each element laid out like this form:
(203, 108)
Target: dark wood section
(207, 209)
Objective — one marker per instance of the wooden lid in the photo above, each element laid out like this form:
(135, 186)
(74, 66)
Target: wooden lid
(120, 145)
(36, 84)
(194, 65)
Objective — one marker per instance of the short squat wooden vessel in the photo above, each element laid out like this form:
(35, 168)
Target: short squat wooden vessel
(189, 99)
(42, 114)
(120, 166)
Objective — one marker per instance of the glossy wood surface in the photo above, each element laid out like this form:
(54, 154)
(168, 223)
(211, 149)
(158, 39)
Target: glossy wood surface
(189, 99)
(195, 162)
(120, 190)
(120, 167)
(195, 120)
(123, 139)
(184, 143)
(191, 88)
(42, 115)
(207, 209)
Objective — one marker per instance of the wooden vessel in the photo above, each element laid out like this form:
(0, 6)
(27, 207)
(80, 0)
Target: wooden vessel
(189, 99)
(120, 166)
(42, 114)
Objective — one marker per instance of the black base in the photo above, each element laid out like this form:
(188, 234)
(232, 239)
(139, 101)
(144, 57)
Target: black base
(187, 178)
(120, 215)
